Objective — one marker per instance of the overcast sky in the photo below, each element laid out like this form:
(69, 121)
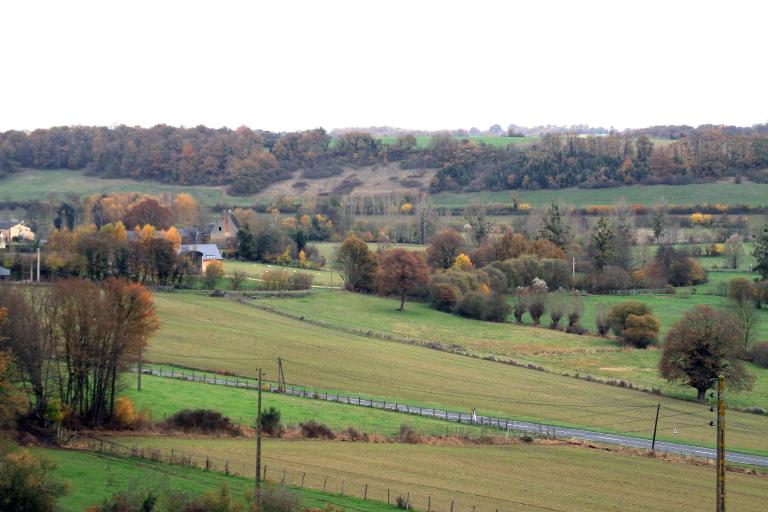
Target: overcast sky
(286, 65)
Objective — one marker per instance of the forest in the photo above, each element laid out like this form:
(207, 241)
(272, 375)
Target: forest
(248, 161)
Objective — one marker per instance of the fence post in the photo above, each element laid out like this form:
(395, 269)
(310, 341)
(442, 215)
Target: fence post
(302, 479)
(429, 504)
(342, 487)
(265, 473)
(451, 505)
(387, 495)
(365, 493)
(226, 467)
(325, 482)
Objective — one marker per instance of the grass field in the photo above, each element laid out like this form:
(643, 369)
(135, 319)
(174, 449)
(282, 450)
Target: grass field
(220, 334)
(510, 477)
(94, 477)
(322, 277)
(554, 350)
(163, 397)
(30, 184)
(710, 193)
(422, 141)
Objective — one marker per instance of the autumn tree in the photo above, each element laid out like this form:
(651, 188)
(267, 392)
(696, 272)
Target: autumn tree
(149, 211)
(601, 244)
(512, 245)
(634, 323)
(760, 252)
(357, 264)
(184, 209)
(401, 273)
(213, 272)
(658, 220)
(555, 228)
(702, 345)
(734, 251)
(477, 218)
(444, 248)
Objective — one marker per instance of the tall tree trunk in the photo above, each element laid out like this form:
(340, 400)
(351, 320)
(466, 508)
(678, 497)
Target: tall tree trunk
(402, 301)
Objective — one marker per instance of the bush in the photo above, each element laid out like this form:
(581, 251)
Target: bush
(740, 290)
(556, 306)
(758, 354)
(634, 322)
(278, 498)
(408, 435)
(520, 304)
(402, 502)
(495, 308)
(270, 422)
(201, 420)
(601, 319)
(315, 430)
(300, 281)
(497, 279)
(471, 305)
(443, 296)
(760, 293)
(575, 310)
(25, 481)
(124, 414)
(213, 272)
(130, 501)
(610, 278)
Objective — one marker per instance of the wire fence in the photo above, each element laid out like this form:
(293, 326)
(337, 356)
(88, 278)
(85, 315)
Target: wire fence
(338, 483)
(506, 424)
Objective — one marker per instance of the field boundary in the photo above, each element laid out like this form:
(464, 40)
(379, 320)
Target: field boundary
(505, 424)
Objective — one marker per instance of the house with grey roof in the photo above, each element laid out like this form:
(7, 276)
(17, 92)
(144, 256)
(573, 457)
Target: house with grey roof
(201, 255)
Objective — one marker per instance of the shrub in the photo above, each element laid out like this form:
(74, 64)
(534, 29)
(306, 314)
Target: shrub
(758, 354)
(740, 290)
(610, 278)
(634, 322)
(402, 502)
(270, 422)
(408, 435)
(25, 481)
(576, 329)
(601, 319)
(201, 420)
(497, 280)
(760, 293)
(130, 501)
(556, 306)
(300, 281)
(443, 296)
(213, 272)
(575, 310)
(315, 430)
(278, 498)
(238, 278)
(124, 414)
(471, 305)
(520, 304)
(495, 308)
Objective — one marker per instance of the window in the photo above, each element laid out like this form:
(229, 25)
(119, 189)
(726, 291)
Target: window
(219, 228)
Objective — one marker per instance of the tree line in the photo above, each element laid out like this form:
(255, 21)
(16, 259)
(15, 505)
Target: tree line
(250, 160)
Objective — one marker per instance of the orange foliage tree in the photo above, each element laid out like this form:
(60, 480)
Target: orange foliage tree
(402, 272)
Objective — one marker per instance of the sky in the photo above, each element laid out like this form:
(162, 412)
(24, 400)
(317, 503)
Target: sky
(290, 65)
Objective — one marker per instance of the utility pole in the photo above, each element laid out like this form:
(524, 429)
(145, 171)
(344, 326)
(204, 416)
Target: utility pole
(138, 374)
(38, 264)
(655, 425)
(720, 444)
(280, 376)
(573, 268)
(258, 447)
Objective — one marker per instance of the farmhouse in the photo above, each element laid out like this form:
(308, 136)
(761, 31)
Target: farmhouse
(223, 232)
(14, 231)
(201, 255)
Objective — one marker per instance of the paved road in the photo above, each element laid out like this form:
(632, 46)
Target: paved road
(505, 424)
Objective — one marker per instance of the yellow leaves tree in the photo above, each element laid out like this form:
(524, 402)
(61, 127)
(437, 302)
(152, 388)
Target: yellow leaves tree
(406, 208)
(213, 272)
(462, 262)
(172, 235)
(147, 233)
(116, 230)
(184, 209)
(302, 259)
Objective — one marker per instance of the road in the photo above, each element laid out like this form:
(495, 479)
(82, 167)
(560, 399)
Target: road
(505, 424)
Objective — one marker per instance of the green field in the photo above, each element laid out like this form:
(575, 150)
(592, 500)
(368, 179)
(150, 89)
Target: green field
(755, 194)
(163, 397)
(31, 184)
(94, 477)
(220, 334)
(254, 270)
(555, 350)
(422, 141)
(509, 477)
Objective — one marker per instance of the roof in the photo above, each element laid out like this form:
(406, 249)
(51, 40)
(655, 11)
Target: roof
(7, 224)
(209, 251)
(4, 272)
